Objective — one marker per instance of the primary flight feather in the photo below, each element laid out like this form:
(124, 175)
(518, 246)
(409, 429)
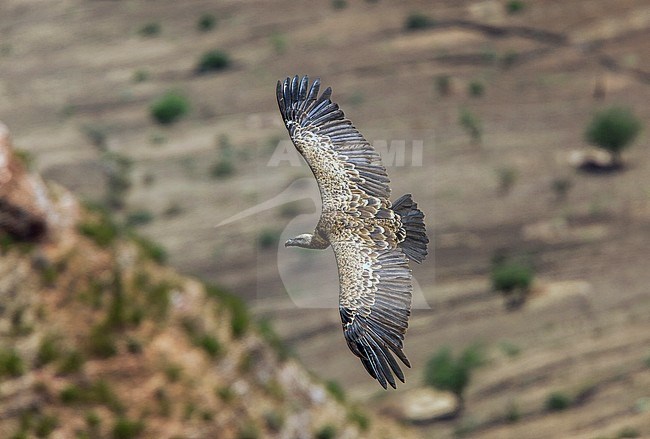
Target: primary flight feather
(372, 238)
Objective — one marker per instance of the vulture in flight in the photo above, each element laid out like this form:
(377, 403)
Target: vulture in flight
(372, 238)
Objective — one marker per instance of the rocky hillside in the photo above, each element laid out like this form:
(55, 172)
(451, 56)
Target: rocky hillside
(98, 339)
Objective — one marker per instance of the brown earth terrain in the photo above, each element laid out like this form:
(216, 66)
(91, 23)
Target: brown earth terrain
(69, 89)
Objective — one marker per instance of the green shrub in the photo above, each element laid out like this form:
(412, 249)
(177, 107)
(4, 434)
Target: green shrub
(225, 393)
(93, 421)
(157, 139)
(268, 238)
(557, 401)
(336, 390)
(275, 389)
(49, 275)
(118, 312)
(133, 345)
(628, 432)
(71, 394)
(173, 372)
(273, 339)
(173, 210)
(210, 345)
(274, 420)
(151, 250)
(471, 124)
(44, 425)
(509, 58)
(613, 130)
(118, 169)
(513, 280)
(97, 135)
(18, 321)
(127, 429)
(150, 30)
(248, 431)
(507, 176)
(326, 432)
(11, 365)
(357, 416)
(139, 218)
(418, 21)
(290, 209)
(212, 61)
(140, 75)
(512, 413)
(102, 393)
(164, 402)
(158, 299)
(488, 55)
(515, 6)
(101, 230)
(339, 4)
(225, 146)
(192, 326)
(222, 169)
(98, 392)
(169, 108)
(443, 84)
(279, 42)
(246, 362)
(560, 187)
(476, 89)
(48, 350)
(68, 110)
(445, 372)
(510, 349)
(24, 157)
(71, 362)
(101, 342)
(240, 317)
(188, 411)
(356, 98)
(6, 242)
(206, 22)
(207, 416)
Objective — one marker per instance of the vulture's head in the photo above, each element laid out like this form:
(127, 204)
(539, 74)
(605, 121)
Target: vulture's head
(303, 240)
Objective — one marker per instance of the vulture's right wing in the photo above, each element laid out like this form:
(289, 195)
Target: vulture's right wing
(348, 170)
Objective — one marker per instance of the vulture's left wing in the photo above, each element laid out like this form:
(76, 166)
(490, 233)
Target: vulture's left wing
(374, 301)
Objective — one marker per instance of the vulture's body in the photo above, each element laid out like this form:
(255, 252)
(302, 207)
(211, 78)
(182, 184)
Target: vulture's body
(372, 238)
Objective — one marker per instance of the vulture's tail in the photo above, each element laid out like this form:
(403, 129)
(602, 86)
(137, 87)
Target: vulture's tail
(415, 243)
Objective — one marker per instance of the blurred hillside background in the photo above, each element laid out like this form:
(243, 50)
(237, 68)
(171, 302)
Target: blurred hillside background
(164, 112)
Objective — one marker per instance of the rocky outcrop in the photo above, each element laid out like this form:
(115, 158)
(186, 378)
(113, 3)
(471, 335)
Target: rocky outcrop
(30, 210)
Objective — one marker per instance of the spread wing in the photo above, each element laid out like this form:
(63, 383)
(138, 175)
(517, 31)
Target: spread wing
(348, 170)
(374, 301)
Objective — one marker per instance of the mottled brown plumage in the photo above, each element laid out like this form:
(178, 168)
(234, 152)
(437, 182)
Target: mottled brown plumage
(372, 239)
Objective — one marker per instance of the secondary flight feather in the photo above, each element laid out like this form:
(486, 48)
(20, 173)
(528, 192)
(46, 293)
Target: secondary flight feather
(372, 238)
